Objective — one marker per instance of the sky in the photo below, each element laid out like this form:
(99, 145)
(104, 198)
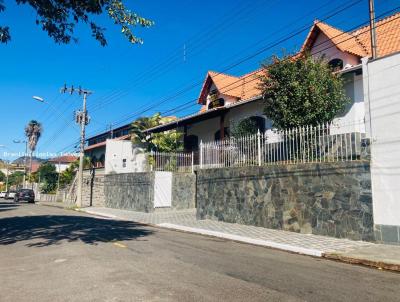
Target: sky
(131, 80)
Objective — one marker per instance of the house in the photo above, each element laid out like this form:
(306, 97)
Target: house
(62, 162)
(96, 145)
(225, 100)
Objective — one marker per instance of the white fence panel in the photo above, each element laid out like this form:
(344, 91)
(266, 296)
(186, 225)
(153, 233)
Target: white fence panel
(308, 144)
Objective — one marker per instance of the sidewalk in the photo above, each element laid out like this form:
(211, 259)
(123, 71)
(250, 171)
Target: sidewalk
(358, 252)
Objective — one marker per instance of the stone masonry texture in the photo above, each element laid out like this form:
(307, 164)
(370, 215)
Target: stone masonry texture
(135, 191)
(183, 191)
(93, 191)
(130, 191)
(332, 199)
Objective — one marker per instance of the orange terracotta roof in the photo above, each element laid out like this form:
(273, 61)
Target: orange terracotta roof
(220, 80)
(387, 35)
(35, 166)
(63, 159)
(243, 87)
(358, 42)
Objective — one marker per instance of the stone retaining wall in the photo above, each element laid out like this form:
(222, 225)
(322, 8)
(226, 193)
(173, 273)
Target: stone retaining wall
(135, 191)
(183, 191)
(131, 191)
(332, 199)
(93, 190)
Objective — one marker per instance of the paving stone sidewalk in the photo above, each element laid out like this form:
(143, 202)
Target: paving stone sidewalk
(185, 220)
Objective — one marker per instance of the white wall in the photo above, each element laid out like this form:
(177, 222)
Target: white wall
(353, 118)
(204, 130)
(61, 167)
(240, 113)
(324, 47)
(118, 151)
(382, 95)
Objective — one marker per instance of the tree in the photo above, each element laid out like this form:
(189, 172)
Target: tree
(16, 179)
(2, 177)
(302, 91)
(48, 176)
(58, 18)
(166, 141)
(68, 175)
(33, 132)
(248, 126)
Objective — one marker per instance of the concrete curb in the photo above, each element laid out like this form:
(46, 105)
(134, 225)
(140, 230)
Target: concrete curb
(110, 216)
(60, 206)
(264, 243)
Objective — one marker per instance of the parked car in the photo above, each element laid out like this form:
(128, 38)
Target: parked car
(25, 194)
(3, 194)
(10, 194)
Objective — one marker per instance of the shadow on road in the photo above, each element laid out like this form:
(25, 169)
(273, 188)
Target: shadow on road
(46, 230)
(7, 206)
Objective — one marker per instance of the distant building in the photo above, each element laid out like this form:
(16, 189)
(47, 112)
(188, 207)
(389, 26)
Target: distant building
(62, 162)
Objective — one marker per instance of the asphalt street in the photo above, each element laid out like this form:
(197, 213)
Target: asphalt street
(51, 254)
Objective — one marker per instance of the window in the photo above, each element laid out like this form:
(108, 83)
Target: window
(216, 103)
(124, 163)
(191, 143)
(336, 64)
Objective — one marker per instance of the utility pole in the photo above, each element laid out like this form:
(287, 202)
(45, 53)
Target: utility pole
(372, 27)
(81, 118)
(111, 131)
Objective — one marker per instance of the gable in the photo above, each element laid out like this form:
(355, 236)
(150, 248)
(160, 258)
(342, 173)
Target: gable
(323, 46)
(358, 42)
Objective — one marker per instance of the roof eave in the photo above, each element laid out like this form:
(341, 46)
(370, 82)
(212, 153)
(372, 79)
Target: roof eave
(181, 122)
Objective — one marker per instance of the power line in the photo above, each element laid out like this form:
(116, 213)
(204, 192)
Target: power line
(233, 17)
(177, 108)
(263, 49)
(185, 105)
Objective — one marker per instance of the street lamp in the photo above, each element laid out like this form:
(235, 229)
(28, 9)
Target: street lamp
(44, 101)
(38, 98)
(26, 152)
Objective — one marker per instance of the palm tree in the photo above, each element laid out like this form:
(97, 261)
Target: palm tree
(166, 141)
(33, 131)
(141, 124)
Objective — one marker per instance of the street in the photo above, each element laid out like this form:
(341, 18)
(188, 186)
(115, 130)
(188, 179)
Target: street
(51, 254)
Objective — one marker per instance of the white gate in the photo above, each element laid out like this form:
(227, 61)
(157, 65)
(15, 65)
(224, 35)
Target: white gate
(162, 189)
